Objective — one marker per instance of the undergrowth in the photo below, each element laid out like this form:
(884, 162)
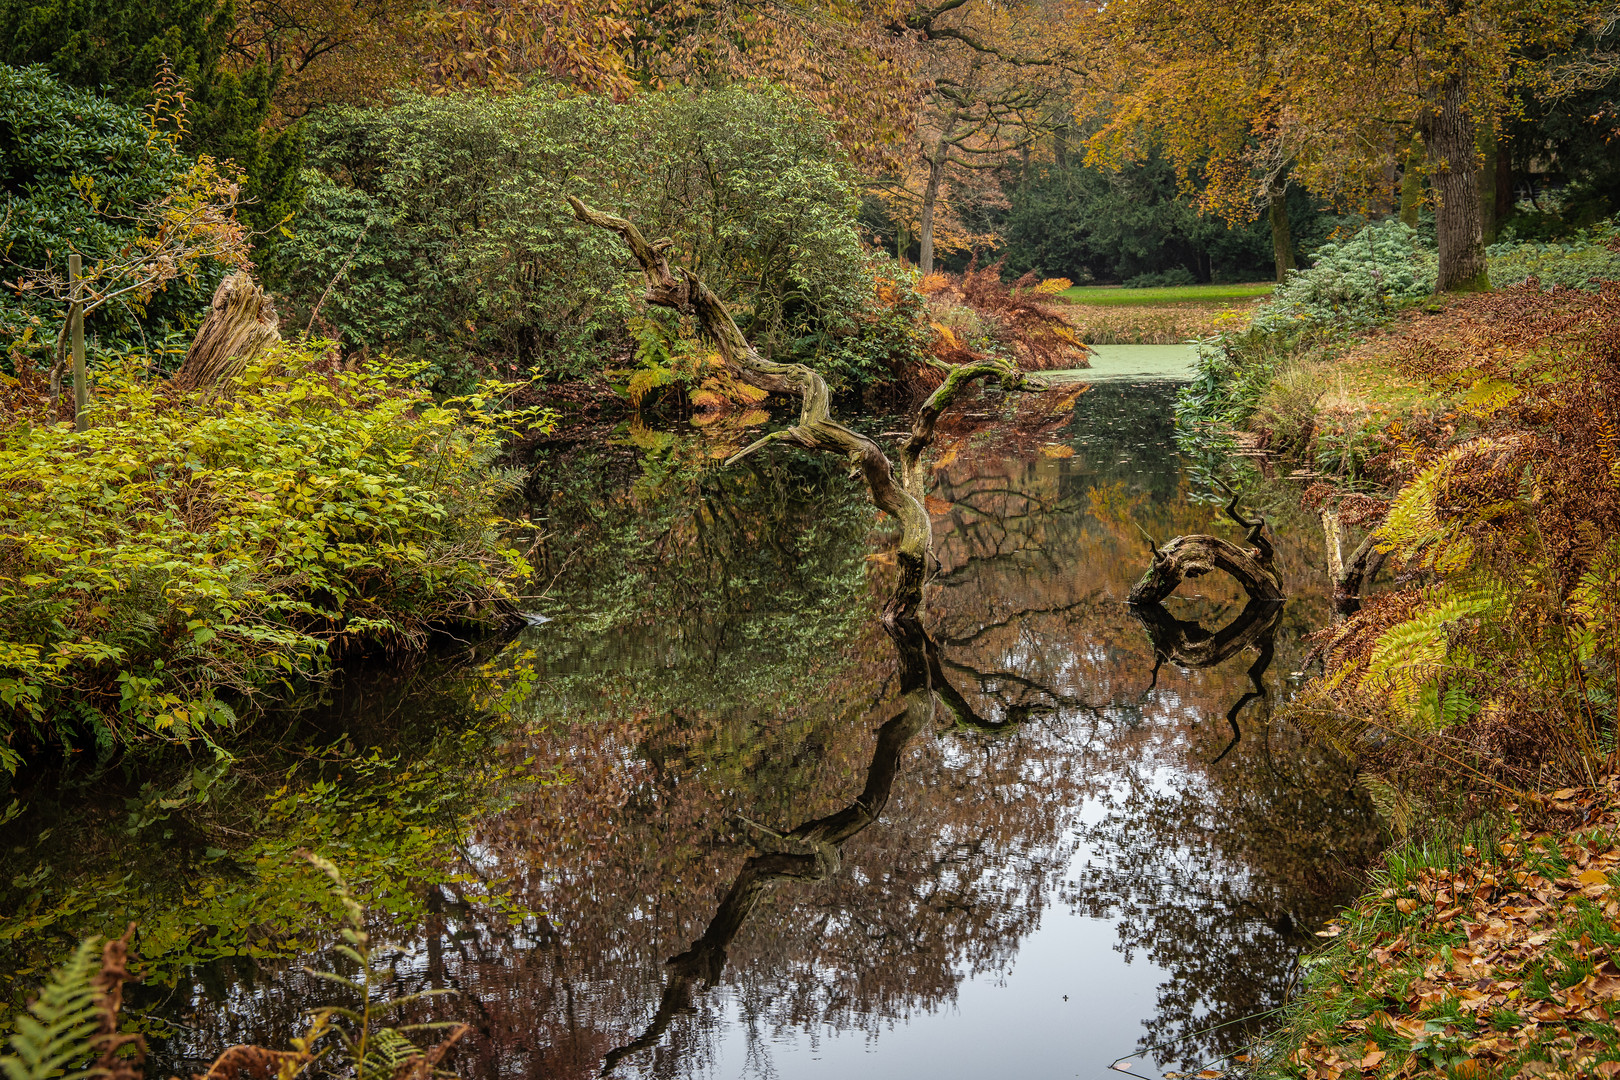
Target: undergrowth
(166, 571)
(1491, 955)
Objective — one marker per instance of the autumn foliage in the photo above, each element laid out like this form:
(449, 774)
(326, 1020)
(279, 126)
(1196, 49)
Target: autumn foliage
(1493, 660)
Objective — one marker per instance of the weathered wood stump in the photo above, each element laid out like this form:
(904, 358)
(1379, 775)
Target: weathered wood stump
(1195, 555)
(241, 324)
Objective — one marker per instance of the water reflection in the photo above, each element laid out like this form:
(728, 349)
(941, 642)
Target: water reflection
(796, 845)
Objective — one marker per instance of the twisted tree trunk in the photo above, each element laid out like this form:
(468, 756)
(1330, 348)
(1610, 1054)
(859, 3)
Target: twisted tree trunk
(1196, 555)
(902, 496)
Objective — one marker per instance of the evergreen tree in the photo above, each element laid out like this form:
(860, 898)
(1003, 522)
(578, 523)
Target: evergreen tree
(118, 47)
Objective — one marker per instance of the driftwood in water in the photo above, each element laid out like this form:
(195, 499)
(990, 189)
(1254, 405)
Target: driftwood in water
(241, 324)
(1196, 555)
(900, 496)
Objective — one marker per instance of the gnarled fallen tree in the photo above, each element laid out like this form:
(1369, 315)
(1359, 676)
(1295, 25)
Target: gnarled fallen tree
(1196, 554)
(899, 495)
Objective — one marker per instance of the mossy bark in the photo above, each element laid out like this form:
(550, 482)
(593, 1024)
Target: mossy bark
(1412, 183)
(1195, 555)
(1282, 236)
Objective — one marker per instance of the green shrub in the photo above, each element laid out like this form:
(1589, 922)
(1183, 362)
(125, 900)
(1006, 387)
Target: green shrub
(1356, 282)
(164, 569)
(443, 221)
(76, 171)
(1577, 262)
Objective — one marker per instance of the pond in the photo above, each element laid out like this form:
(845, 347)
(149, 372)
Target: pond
(1068, 862)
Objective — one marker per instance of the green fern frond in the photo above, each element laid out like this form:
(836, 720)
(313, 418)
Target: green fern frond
(645, 380)
(54, 1039)
(1395, 805)
(388, 1055)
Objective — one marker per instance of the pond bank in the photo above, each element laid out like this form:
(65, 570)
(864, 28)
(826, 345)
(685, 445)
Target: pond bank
(1463, 464)
(1494, 954)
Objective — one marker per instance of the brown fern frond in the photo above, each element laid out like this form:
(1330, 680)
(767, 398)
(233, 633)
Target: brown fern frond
(254, 1063)
(111, 1061)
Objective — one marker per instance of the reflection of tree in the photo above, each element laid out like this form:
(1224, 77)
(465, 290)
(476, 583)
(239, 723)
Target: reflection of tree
(815, 845)
(690, 698)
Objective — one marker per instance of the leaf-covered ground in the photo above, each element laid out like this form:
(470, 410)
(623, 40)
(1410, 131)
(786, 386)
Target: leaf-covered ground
(1499, 957)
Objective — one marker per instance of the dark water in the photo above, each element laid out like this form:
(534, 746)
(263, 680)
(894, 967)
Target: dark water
(1074, 862)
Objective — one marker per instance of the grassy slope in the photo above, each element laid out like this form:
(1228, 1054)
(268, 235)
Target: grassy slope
(1491, 958)
(1114, 296)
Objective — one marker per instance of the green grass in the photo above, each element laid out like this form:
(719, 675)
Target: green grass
(1115, 296)
(1471, 959)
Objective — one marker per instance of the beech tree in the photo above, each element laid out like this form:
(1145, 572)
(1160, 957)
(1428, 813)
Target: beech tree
(1328, 90)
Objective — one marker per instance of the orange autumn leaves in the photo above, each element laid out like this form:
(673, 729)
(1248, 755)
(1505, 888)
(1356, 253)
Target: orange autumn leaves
(1503, 966)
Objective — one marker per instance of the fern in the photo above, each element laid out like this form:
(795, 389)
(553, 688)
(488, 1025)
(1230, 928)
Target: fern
(55, 1038)
(1395, 805)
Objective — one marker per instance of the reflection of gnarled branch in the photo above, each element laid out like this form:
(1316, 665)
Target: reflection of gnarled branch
(816, 429)
(820, 840)
(1190, 645)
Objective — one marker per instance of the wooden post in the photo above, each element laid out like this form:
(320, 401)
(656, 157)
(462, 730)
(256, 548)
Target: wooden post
(81, 388)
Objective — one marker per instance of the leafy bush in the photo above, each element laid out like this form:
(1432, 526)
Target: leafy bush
(871, 330)
(1176, 275)
(1356, 282)
(1503, 527)
(441, 226)
(77, 171)
(162, 570)
(1591, 255)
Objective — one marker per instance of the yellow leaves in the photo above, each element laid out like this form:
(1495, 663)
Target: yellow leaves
(1057, 451)
(1487, 396)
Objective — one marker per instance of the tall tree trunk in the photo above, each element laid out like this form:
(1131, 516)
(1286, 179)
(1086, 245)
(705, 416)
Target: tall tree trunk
(1504, 183)
(1282, 237)
(925, 231)
(1412, 183)
(1448, 139)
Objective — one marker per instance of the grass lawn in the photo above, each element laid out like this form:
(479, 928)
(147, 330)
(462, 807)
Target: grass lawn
(1114, 296)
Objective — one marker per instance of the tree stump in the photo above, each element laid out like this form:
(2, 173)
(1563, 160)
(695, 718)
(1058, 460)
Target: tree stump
(1196, 555)
(241, 324)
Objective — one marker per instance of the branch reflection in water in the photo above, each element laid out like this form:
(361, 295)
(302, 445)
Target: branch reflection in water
(1189, 645)
(1046, 830)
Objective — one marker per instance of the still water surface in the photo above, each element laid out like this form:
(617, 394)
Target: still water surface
(1074, 862)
